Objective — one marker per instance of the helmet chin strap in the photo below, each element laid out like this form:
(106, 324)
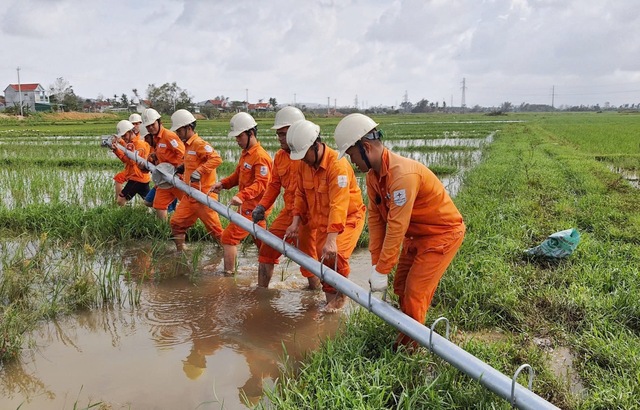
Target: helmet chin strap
(363, 154)
(248, 134)
(315, 150)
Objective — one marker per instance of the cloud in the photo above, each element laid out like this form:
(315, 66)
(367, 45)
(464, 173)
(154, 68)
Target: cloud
(507, 50)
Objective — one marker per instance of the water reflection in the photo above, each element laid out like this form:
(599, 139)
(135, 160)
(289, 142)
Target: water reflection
(196, 340)
(633, 177)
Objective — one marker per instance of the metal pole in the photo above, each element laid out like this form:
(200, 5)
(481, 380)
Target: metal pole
(20, 92)
(475, 368)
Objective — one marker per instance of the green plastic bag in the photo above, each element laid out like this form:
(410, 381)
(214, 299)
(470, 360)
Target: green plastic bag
(558, 245)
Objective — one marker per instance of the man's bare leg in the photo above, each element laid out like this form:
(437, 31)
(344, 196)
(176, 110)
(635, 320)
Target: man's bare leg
(336, 304)
(230, 253)
(314, 283)
(265, 272)
(119, 187)
(161, 214)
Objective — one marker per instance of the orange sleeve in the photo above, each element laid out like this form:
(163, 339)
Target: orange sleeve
(403, 191)
(273, 189)
(233, 179)
(339, 196)
(177, 153)
(300, 205)
(210, 159)
(131, 147)
(261, 175)
(377, 225)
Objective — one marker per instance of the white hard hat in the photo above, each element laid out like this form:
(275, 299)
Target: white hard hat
(287, 116)
(149, 116)
(240, 123)
(123, 127)
(143, 132)
(181, 118)
(300, 136)
(133, 118)
(350, 129)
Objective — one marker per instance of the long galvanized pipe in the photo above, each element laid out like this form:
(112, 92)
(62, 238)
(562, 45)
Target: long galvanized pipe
(475, 368)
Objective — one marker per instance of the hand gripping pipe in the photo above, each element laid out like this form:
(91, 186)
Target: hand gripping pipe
(473, 367)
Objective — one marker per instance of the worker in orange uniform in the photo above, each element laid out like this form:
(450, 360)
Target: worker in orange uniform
(137, 180)
(251, 176)
(121, 177)
(200, 163)
(412, 220)
(329, 200)
(168, 148)
(285, 175)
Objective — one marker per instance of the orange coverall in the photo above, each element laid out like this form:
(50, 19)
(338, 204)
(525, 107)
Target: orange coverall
(131, 171)
(252, 175)
(409, 209)
(329, 200)
(169, 149)
(285, 175)
(121, 177)
(199, 156)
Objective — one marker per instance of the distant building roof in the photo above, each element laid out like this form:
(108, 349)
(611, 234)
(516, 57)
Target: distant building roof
(259, 106)
(24, 87)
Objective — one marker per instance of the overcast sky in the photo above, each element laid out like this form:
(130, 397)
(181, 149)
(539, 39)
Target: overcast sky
(507, 50)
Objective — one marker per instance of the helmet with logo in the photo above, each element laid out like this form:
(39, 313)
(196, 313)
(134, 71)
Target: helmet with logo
(149, 116)
(181, 118)
(287, 116)
(351, 129)
(301, 136)
(133, 118)
(123, 127)
(240, 123)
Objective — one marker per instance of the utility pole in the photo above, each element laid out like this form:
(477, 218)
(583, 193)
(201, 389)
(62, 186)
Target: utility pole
(405, 101)
(247, 100)
(328, 105)
(553, 95)
(294, 100)
(463, 103)
(355, 102)
(20, 92)
(335, 105)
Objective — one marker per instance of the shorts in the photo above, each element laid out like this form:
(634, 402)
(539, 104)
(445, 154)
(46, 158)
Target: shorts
(134, 187)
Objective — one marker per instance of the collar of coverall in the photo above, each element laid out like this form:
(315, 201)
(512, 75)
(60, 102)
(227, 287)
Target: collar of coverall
(384, 165)
(251, 150)
(159, 134)
(324, 161)
(190, 140)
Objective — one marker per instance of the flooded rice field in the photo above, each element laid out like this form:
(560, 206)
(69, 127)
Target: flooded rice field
(203, 341)
(183, 335)
(88, 184)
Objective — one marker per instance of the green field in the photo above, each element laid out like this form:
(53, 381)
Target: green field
(540, 174)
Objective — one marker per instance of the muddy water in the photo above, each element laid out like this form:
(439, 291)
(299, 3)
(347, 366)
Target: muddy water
(205, 340)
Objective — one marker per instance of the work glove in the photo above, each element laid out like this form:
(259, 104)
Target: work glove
(179, 169)
(195, 176)
(258, 214)
(378, 281)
